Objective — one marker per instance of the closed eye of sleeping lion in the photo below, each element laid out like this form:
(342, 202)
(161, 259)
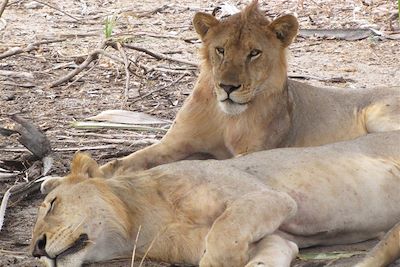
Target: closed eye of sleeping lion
(243, 102)
(255, 210)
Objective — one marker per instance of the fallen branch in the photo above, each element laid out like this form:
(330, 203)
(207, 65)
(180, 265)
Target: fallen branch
(91, 57)
(126, 64)
(159, 56)
(152, 12)
(79, 77)
(107, 140)
(30, 47)
(17, 74)
(3, 7)
(61, 149)
(14, 253)
(7, 175)
(23, 85)
(84, 148)
(167, 70)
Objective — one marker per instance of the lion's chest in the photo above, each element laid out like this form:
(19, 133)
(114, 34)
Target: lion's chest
(246, 136)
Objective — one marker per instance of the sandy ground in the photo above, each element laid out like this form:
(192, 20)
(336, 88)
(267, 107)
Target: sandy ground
(367, 63)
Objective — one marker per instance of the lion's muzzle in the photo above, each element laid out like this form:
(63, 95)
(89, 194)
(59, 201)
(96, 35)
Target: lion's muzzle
(229, 88)
(39, 249)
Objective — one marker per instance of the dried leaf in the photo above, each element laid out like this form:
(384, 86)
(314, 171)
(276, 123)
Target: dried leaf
(3, 205)
(32, 137)
(109, 125)
(47, 164)
(127, 117)
(334, 255)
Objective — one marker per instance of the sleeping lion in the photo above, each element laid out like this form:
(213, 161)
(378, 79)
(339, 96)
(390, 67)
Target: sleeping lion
(254, 210)
(243, 101)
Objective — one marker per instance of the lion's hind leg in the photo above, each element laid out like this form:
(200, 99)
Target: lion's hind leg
(383, 116)
(245, 222)
(273, 251)
(385, 252)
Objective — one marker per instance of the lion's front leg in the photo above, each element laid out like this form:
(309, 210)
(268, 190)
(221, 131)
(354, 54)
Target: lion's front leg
(273, 251)
(164, 152)
(244, 222)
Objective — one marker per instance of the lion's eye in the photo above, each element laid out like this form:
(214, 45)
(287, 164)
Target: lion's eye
(220, 51)
(254, 53)
(52, 204)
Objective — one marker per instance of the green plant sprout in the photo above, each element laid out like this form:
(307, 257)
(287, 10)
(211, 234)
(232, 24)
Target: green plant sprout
(109, 24)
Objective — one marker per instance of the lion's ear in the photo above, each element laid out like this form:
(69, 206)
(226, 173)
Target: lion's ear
(83, 166)
(202, 22)
(49, 183)
(285, 28)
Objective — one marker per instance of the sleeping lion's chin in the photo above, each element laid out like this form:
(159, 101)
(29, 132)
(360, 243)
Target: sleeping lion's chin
(232, 108)
(47, 262)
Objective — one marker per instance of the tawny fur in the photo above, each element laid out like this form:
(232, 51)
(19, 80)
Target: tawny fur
(248, 51)
(385, 252)
(248, 211)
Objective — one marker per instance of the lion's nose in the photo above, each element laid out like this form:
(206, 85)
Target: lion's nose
(229, 88)
(39, 249)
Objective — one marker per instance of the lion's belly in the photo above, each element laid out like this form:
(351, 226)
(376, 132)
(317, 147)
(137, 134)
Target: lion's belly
(361, 200)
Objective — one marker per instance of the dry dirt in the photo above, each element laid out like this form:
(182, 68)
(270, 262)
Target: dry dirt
(163, 27)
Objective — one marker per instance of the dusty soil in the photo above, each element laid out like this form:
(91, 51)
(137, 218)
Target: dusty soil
(162, 27)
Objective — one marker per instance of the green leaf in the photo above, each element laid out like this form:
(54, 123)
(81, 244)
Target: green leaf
(109, 24)
(334, 255)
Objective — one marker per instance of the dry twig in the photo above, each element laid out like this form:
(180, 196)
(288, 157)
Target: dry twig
(79, 77)
(17, 74)
(3, 7)
(152, 12)
(126, 64)
(159, 56)
(91, 57)
(134, 247)
(148, 250)
(18, 50)
(62, 149)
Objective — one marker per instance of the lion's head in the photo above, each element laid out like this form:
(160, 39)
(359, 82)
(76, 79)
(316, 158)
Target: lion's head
(80, 219)
(246, 54)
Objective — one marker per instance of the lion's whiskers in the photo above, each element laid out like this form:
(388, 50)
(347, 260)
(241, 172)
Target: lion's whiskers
(79, 225)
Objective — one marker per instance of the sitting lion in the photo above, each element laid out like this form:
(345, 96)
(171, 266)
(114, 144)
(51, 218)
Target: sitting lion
(243, 101)
(254, 210)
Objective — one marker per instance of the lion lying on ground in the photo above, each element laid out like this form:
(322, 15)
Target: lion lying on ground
(243, 101)
(254, 210)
